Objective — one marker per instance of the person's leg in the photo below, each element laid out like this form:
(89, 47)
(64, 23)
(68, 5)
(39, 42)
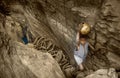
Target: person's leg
(81, 66)
(79, 62)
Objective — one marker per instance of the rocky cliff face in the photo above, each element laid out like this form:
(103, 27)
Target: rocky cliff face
(23, 61)
(42, 21)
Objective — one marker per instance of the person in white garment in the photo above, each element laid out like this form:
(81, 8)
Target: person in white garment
(82, 44)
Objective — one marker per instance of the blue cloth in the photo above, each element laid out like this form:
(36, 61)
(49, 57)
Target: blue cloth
(25, 39)
(81, 54)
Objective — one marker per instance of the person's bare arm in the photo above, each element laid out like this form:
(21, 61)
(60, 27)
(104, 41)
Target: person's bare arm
(77, 37)
(77, 40)
(91, 47)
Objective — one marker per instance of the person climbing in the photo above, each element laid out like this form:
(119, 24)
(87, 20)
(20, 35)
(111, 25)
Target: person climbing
(82, 44)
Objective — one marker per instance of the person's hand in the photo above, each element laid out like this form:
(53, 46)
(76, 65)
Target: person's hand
(78, 47)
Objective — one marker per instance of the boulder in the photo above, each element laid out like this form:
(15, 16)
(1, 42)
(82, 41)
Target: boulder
(42, 65)
(104, 73)
(23, 61)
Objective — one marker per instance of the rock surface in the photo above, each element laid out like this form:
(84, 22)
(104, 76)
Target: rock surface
(23, 61)
(104, 73)
(58, 21)
(42, 65)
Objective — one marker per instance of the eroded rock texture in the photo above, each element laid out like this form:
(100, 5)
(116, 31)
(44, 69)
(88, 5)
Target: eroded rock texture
(104, 73)
(51, 26)
(23, 61)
